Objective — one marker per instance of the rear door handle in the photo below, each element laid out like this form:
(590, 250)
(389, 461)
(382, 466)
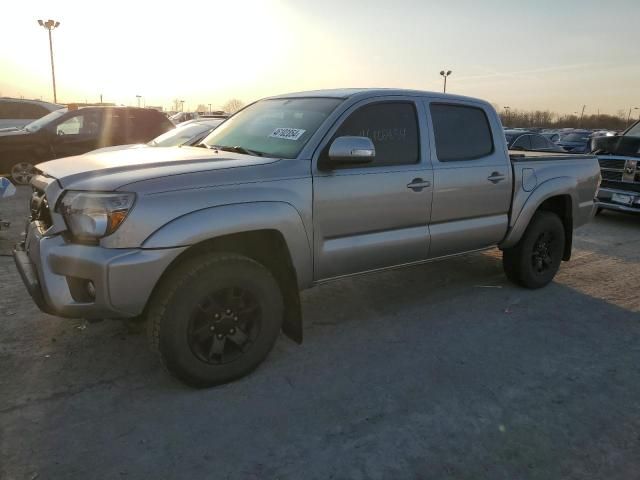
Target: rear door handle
(417, 184)
(496, 177)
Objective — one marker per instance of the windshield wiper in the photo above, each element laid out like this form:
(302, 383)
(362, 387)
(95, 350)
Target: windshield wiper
(238, 149)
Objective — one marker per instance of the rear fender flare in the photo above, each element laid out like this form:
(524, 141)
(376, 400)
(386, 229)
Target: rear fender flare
(550, 188)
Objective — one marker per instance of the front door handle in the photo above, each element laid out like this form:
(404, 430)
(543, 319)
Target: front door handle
(417, 184)
(496, 177)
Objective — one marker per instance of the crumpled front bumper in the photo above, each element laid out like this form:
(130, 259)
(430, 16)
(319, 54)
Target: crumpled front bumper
(56, 272)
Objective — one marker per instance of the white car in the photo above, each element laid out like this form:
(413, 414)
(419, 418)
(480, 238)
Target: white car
(15, 113)
(189, 133)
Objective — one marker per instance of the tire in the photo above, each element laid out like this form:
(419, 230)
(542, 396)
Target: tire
(22, 173)
(535, 260)
(215, 318)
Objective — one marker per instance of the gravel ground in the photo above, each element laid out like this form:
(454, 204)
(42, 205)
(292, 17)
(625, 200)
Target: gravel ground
(438, 371)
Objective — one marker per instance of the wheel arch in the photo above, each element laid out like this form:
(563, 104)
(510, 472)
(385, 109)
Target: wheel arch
(270, 233)
(556, 196)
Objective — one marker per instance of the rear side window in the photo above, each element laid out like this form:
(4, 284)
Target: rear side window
(393, 129)
(461, 133)
(523, 141)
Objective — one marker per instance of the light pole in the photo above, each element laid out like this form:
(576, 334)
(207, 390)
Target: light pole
(445, 75)
(138, 97)
(581, 115)
(182, 105)
(50, 25)
(629, 116)
(508, 112)
(209, 109)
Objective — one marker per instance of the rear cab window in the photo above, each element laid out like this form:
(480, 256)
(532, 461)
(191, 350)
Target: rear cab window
(461, 132)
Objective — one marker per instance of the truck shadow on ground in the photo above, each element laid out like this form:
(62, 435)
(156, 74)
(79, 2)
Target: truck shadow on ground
(443, 370)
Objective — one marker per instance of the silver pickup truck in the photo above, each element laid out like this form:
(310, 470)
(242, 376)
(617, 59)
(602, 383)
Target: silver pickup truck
(212, 244)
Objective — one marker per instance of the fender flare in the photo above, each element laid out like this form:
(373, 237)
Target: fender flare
(218, 221)
(547, 189)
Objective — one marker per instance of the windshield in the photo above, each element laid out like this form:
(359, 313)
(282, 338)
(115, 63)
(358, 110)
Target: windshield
(633, 131)
(180, 135)
(274, 128)
(47, 119)
(575, 137)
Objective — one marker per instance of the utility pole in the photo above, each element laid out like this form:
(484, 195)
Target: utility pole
(445, 75)
(508, 112)
(138, 97)
(209, 109)
(581, 115)
(50, 25)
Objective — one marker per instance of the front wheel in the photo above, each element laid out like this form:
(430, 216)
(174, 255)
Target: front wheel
(535, 260)
(215, 318)
(22, 173)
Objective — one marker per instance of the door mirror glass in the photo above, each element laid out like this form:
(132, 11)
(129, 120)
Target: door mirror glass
(351, 150)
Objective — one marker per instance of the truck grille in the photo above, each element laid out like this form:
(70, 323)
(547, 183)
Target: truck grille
(612, 175)
(615, 164)
(39, 207)
(631, 187)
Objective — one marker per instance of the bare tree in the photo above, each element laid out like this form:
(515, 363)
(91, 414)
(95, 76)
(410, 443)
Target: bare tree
(233, 105)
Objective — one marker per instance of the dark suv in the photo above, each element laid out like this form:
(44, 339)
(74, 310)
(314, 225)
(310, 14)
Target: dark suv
(73, 131)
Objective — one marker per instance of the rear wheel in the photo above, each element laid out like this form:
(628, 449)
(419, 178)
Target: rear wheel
(215, 318)
(535, 260)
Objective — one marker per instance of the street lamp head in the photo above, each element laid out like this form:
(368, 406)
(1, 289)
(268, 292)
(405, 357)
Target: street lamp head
(448, 72)
(41, 23)
(442, 72)
(56, 25)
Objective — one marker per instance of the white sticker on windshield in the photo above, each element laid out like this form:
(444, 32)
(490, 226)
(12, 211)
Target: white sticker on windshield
(287, 133)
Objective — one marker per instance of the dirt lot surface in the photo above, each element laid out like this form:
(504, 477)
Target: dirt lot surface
(438, 371)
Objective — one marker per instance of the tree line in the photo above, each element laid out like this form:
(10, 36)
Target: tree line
(547, 119)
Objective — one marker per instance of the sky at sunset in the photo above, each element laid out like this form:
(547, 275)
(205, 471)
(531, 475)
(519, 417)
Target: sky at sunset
(543, 54)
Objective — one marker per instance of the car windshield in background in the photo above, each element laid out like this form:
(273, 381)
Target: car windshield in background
(179, 135)
(575, 137)
(41, 122)
(273, 128)
(633, 131)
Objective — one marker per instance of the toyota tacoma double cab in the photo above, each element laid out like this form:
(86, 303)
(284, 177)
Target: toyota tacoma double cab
(211, 244)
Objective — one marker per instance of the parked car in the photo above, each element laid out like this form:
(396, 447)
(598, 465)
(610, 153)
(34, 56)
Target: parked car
(70, 131)
(576, 141)
(553, 136)
(189, 133)
(530, 141)
(15, 113)
(619, 158)
(183, 117)
(213, 244)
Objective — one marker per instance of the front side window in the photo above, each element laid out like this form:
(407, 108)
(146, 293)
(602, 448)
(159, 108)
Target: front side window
(391, 126)
(538, 142)
(277, 127)
(83, 123)
(461, 132)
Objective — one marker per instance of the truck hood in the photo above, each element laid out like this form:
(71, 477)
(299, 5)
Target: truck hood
(112, 169)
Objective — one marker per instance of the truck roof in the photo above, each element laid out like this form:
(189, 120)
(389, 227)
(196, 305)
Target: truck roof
(374, 92)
